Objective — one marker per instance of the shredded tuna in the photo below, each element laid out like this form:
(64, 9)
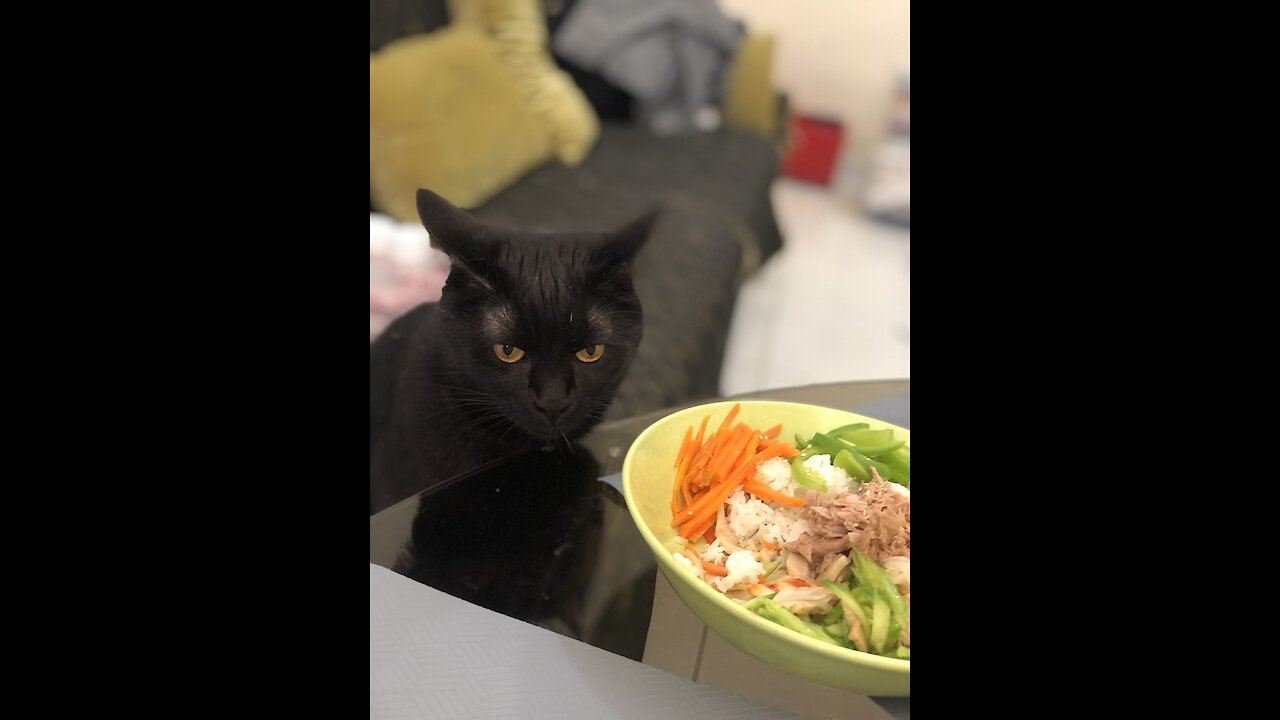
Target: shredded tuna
(819, 548)
(876, 520)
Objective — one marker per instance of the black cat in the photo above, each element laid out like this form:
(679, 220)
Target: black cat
(531, 337)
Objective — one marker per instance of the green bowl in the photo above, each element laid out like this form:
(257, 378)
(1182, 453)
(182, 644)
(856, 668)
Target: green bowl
(647, 477)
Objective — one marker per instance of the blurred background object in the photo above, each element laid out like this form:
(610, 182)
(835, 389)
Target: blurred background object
(404, 270)
(582, 114)
(838, 60)
(888, 192)
(814, 148)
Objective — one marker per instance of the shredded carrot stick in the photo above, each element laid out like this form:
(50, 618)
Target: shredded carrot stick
(715, 569)
(696, 527)
(700, 503)
(785, 449)
(748, 461)
(798, 582)
(745, 456)
(732, 453)
(693, 456)
(696, 470)
(726, 453)
(703, 518)
(692, 555)
(678, 491)
(684, 446)
(682, 466)
(682, 475)
(768, 493)
(767, 544)
(710, 468)
(733, 412)
(704, 453)
(710, 472)
(702, 427)
(776, 450)
(718, 440)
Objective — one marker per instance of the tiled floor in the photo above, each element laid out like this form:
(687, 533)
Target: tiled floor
(833, 305)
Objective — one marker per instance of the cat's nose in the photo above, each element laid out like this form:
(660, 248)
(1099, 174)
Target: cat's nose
(552, 408)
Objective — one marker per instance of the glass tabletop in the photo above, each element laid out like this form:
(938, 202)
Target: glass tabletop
(545, 537)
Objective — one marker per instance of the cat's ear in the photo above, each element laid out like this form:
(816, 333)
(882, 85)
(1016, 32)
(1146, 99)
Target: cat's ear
(453, 231)
(622, 245)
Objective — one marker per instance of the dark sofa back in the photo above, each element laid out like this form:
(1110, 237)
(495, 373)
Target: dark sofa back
(393, 19)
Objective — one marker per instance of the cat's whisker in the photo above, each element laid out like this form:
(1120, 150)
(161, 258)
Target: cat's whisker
(485, 418)
(510, 427)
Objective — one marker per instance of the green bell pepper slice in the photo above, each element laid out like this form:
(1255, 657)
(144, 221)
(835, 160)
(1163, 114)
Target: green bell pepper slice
(840, 431)
(873, 442)
(803, 477)
(771, 610)
(847, 598)
(846, 462)
(828, 445)
(900, 468)
(833, 615)
(755, 603)
(879, 623)
(871, 576)
(832, 447)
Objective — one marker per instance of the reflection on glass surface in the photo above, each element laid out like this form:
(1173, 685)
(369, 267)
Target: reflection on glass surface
(541, 539)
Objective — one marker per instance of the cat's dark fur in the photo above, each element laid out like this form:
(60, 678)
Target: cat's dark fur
(442, 402)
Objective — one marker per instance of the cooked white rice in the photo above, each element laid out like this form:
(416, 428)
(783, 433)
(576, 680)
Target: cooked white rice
(752, 517)
(837, 480)
(686, 562)
(776, 473)
(713, 553)
(743, 570)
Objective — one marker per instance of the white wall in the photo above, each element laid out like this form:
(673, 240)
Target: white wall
(836, 58)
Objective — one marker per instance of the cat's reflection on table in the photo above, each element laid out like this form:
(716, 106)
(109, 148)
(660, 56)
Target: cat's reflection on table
(538, 537)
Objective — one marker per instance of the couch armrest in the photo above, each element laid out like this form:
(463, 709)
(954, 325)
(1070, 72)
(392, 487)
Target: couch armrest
(751, 104)
(782, 138)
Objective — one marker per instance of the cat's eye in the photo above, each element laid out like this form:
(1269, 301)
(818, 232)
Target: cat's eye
(590, 353)
(508, 353)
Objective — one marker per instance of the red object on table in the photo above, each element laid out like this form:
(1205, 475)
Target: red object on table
(815, 144)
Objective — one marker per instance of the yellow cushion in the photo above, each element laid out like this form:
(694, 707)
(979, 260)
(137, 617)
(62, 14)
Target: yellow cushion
(519, 29)
(446, 114)
(751, 104)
